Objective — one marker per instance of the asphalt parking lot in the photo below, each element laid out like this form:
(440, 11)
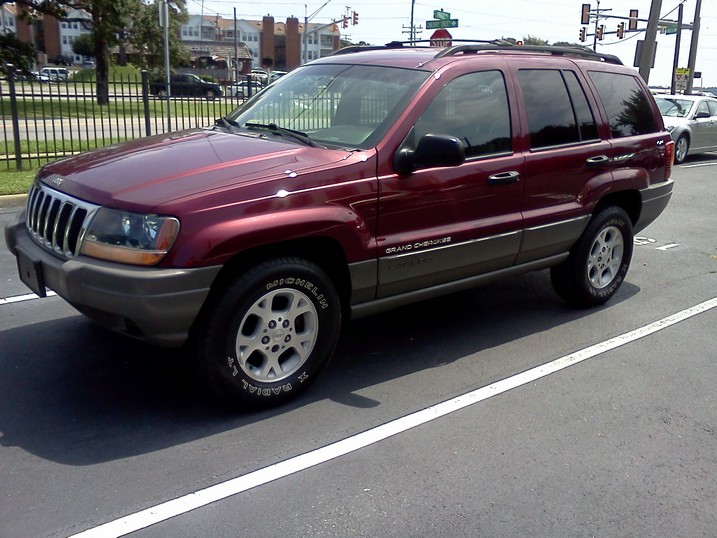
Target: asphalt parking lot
(496, 412)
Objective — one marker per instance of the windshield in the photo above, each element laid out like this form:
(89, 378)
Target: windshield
(678, 108)
(334, 105)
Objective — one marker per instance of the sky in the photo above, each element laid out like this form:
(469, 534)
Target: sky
(381, 21)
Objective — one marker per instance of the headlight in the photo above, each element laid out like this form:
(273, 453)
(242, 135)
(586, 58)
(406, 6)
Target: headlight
(124, 237)
(670, 128)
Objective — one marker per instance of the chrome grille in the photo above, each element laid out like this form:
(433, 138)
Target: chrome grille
(56, 221)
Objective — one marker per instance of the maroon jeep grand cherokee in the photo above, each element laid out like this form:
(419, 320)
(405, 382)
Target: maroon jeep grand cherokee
(358, 183)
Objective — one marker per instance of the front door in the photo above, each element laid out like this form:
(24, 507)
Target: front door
(443, 224)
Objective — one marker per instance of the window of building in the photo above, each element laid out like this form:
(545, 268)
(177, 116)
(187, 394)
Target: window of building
(474, 109)
(629, 116)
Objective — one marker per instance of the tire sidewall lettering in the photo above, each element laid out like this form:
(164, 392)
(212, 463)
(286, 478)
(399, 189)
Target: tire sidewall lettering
(300, 284)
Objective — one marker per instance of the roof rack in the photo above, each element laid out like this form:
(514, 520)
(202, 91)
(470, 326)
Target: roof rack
(473, 46)
(363, 48)
(579, 52)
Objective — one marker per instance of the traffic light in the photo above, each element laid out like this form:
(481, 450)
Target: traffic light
(585, 14)
(600, 32)
(583, 34)
(345, 22)
(621, 30)
(633, 20)
(354, 17)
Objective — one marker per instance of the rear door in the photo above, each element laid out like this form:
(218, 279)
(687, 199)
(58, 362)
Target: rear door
(566, 158)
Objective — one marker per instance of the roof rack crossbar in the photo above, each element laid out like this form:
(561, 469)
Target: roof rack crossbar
(508, 47)
(473, 46)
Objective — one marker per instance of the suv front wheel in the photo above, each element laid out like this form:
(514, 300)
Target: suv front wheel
(268, 334)
(599, 261)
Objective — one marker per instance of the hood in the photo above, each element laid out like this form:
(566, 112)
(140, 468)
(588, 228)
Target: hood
(155, 170)
(673, 121)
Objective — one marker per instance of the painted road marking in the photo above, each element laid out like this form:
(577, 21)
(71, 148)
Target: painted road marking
(698, 165)
(667, 247)
(21, 298)
(203, 497)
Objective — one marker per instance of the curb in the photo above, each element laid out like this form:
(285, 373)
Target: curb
(12, 200)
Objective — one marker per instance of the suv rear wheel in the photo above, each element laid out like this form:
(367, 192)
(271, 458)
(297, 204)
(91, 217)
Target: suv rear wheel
(597, 265)
(268, 334)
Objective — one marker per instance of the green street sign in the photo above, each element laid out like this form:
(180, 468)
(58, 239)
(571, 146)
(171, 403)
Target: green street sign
(450, 23)
(441, 15)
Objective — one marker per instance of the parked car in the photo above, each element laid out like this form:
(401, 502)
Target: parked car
(692, 122)
(244, 88)
(186, 85)
(404, 174)
(260, 75)
(54, 74)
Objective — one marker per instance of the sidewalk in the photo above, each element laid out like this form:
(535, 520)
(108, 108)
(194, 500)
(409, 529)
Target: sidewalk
(12, 200)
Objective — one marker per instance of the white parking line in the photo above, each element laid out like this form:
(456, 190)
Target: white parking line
(203, 497)
(696, 165)
(21, 298)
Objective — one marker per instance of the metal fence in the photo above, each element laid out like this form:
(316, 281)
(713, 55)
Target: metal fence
(43, 121)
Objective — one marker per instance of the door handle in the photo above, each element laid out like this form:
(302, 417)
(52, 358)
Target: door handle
(504, 178)
(598, 160)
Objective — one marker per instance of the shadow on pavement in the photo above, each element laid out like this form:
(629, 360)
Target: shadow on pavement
(76, 394)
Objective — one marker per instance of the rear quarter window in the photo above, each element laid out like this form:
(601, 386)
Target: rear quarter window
(558, 112)
(626, 103)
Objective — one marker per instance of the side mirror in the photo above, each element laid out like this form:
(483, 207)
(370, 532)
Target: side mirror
(701, 115)
(433, 150)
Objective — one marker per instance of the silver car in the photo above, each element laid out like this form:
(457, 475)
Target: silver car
(692, 122)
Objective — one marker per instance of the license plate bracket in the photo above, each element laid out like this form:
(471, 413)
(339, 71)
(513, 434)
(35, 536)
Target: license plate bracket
(31, 273)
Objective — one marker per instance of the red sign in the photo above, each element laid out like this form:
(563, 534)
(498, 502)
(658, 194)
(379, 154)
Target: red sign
(441, 38)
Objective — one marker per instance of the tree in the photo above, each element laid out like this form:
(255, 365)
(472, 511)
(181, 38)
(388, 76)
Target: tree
(16, 53)
(109, 17)
(84, 45)
(19, 53)
(532, 40)
(147, 37)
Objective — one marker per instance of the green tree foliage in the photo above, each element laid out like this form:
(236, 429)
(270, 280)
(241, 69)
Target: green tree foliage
(84, 45)
(110, 20)
(16, 53)
(146, 37)
(532, 40)
(109, 17)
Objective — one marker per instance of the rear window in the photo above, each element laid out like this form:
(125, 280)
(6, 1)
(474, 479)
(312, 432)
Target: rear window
(626, 103)
(558, 111)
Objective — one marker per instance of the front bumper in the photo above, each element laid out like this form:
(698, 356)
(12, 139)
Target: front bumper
(654, 201)
(153, 304)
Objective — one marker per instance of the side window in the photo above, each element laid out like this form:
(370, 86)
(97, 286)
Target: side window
(713, 107)
(627, 106)
(474, 109)
(558, 111)
(583, 113)
(702, 107)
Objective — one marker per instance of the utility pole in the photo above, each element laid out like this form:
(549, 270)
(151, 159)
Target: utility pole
(676, 61)
(648, 47)
(693, 47)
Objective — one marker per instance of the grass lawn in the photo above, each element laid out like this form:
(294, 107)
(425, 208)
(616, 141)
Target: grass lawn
(16, 182)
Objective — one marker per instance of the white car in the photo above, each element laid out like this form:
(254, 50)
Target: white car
(692, 122)
(242, 89)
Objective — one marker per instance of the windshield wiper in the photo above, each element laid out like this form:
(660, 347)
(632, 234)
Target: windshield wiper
(226, 122)
(283, 131)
